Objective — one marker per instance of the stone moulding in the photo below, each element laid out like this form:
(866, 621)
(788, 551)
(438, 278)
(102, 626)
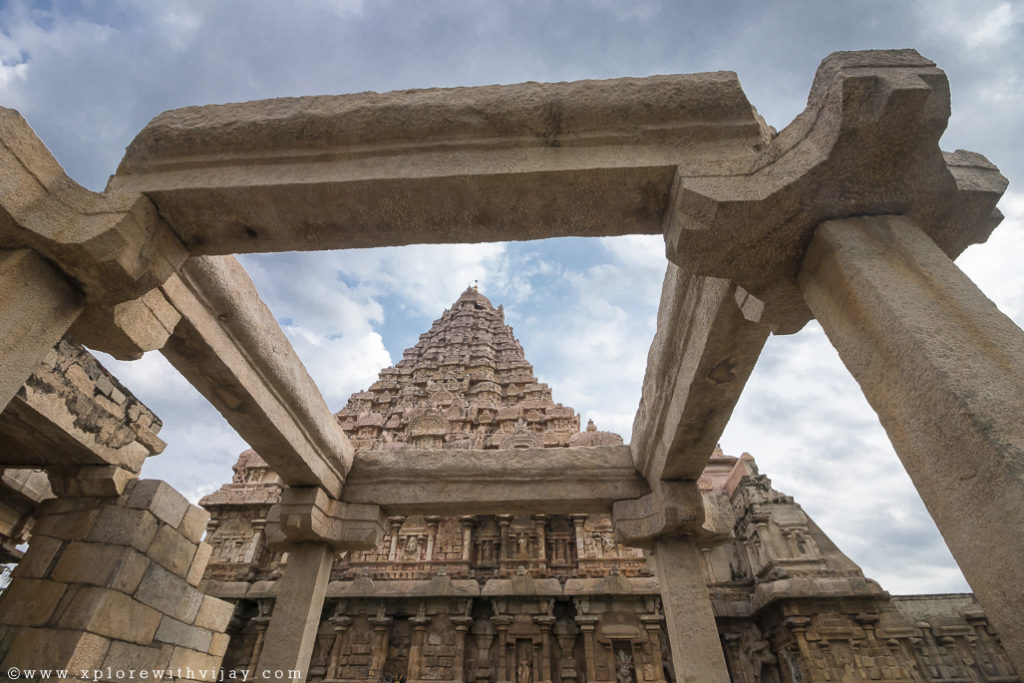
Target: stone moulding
(443, 482)
(523, 161)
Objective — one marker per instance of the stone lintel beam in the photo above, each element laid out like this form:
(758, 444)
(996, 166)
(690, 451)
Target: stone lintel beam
(708, 339)
(114, 245)
(867, 144)
(944, 370)
(457, 482)
(511, 162)
(230, 347)
(310, 515)
(37, 305)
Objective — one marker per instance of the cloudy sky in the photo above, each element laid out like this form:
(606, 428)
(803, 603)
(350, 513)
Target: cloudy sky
(89, 75)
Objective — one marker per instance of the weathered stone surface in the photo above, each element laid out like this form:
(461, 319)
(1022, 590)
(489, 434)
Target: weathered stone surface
(198, 666)
(161, 499)
(71, 650)
(178, 633)
(172, 551)
(293, 626)
(214, 614)
(113, 244)
(553, 480)
(193, 526)
(37, 561)
(124, 526)
(169, 594)
(709, 336)
(30, 602)
(100, 564)
(688, 615)
(66, 415)
(230, 347)
(199, 562)
(673, 508)
(523, 162)
(309, 515)
(124, 656)
(867, 144)
(915, 331)
(37, 307)
(108, 613)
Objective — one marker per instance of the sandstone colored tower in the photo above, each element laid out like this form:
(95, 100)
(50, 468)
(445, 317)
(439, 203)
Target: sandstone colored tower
(521, 598)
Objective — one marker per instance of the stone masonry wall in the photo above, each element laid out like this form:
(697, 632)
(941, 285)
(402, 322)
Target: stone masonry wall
(110, 585)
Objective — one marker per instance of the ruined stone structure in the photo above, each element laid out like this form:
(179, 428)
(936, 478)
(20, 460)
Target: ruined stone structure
(850, 215)
(524, 598)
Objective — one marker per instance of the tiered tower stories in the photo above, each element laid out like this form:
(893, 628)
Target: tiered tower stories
(543, 598)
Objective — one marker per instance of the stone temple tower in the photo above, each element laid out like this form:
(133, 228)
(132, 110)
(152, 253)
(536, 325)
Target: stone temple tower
(521, 598)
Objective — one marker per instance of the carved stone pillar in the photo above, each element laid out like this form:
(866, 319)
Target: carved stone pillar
(419, 629)
(462, 625)
(394, 524)
(433, 521)
(381, 635)
(341, 624)
(943, 368)
(652, 624)
(483, 636)
(260, 623)
(545, 623)
(540, 522)
(577, 523)
(566, 632)
(467, 522)
(502, 622)
(587, 624)
(503, 523)
(705, 561)
(798, 627)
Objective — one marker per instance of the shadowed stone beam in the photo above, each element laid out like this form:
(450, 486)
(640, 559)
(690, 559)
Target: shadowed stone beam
(458, 482)
(526, 161)
(112, 248)
(944, 370)
(230, 347)
(37, 305)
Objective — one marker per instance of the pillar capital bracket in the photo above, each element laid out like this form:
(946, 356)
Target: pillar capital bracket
(673, 509)
(310, 515)
(867, 143)
(113, 245)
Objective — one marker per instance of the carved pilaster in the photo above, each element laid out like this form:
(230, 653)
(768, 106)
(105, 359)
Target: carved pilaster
(502, 622)
(462, 625)
(540, 523)
(395, 524)
(587, 624)
(340, 624)
(545, 623)
(419, 628)
(467, 522)
(577, 522)
(503, 523)
(433, 521)
(381, 634)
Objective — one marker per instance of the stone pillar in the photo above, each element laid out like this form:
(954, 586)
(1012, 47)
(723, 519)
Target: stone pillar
(37, 306)
(433, 521)
(502, 622)
(261, 622)
(381, 635)
(111, 576)
(696, 650)
(341, 624)
(652, 624)
(503, 523)
(944, 370)
(577, 522)
(467, 522)
(419, 628)
(545, 623)
(462, 625)
(798, 627)
(394, 523)
(540, 522)
(300, 598)
(483, 636)
(587, 624)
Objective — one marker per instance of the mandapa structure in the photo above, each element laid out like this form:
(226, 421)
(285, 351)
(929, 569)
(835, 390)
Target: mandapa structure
(537, 598)
(850, 215)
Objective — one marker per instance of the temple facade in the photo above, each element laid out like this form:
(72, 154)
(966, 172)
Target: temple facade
(537, 598)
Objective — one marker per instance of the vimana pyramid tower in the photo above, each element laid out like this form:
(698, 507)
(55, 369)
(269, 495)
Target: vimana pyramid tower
(552, 598)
